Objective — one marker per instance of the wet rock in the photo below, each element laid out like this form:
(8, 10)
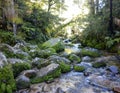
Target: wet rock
(86, 59)
(59, 90)
(86, 64)
(107, 59)
(15, 60)
(58, 59)
(113, 69)
(3, 59)
(23, 82)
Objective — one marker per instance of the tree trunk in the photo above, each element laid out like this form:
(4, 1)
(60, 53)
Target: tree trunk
(14, 29)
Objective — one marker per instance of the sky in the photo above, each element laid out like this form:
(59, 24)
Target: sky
(74, 9)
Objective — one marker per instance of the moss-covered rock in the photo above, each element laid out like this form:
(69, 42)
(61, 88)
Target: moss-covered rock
(58, 59)
(74, 58)
(54, 43)
(46, 53)
(19, 67)
(65, 67)
(79, 68)
(87, 52)
(7, 80)
(22, 82)
(99, 64)
(47, 73)
(40, 63)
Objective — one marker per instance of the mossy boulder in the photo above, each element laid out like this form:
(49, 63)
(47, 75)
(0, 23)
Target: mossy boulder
(46, 53)
(54, 43)
(19, 67)
(22, 82)
(87, 52)
(47, 73)
(74, 58)
(40, 62)
(79, 68)
(58, 59)
(7, 81)
(65, 67)
(99, 64)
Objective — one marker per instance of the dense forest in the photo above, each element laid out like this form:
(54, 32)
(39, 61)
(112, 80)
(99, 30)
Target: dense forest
(34, 36)
(39, 20)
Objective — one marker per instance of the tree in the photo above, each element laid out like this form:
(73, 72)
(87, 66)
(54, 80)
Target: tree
(9, 13)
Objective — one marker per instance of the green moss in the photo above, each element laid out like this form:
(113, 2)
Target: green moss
(65, 67)
(74, 58)
(40, 63)
(54, 43)
(19, 67)
(79, 68)
(99, 64)
(3, 88)
(46, 53)
(86, 52)
(59, 47)
(56, 73)
(9, 89)
(7, 78)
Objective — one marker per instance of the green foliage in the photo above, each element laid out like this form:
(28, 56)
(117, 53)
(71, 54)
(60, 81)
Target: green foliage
(65, 67)
(3, 88)
(79, 68)
(46, 53)
(56, 73)
(19, 67)
(6, 37)
(85, 52)
(111, 41)
(9, 89)
(99, 64)
(7, 81)
(59, 47)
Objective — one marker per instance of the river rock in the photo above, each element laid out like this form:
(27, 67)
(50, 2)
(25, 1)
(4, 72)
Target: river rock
(46, 70)
(58, 59)
(40, 62)
(113, 69)
(15, 60)
(74, 58)
(86, 59)
(29, 73)
(22, 82)
(55, 43)
(3, 59)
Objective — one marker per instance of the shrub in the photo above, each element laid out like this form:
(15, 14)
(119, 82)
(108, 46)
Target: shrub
(7, 80)
(9, 89)
(19, 67)
(79, 68)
